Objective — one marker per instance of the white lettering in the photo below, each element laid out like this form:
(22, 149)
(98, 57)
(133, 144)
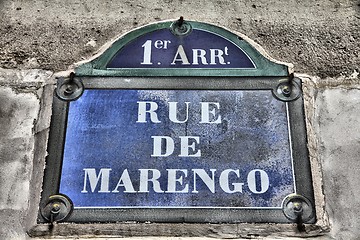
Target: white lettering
(147, 53)
(264, 181)
(209, 181)
(185, 146)
(157, 146)
(224, 181)
(166, 43)
(199, 53)
(94, 179)
(216, 53)
(125, 182)
(145, 179)
(173, 112)
(158, 44)
(142, 110)
(205, 112)
(177, 181)
(173, 180)
(183, 58)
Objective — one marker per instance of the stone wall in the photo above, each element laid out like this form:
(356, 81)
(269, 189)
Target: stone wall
(40, 38)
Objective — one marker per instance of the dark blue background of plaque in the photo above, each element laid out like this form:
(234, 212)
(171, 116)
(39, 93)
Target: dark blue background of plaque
(131, 55)
(102, 133)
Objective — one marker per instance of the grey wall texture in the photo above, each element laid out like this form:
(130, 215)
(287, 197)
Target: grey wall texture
(40, 38)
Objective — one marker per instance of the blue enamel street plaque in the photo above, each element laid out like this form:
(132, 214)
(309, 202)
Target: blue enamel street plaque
(178, 122)
(177, 148)
(162, 49)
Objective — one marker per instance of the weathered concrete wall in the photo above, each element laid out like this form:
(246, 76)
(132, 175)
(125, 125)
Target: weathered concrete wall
(321, 39)
(339, 151)
(20, 113)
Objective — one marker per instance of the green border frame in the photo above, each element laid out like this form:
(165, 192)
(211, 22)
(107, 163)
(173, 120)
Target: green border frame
(264, 66)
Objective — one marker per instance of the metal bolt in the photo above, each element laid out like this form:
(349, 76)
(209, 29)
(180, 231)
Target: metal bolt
(298, 208)
(55, 208)
(180, 25)
(182, 29)
(286, 90)
(69, 89)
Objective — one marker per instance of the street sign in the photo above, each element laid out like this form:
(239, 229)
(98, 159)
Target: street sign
(182, 122)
